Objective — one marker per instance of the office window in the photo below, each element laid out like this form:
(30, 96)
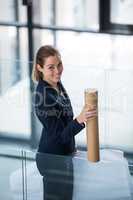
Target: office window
(14, 103)
(8, 52)
(22, 12)
(119, 98)
(122, 52)
(85, 59)
(7, 9)
(85, 49)
(42, 37)
(77, 13)
(122, 11)
(13, 46)
(42, 12)
(12, 10)
(23, 53)
(14, 81)
(103, 62)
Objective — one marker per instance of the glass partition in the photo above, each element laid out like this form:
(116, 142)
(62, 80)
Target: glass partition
(28, 175)
(34, 180)
(75, 178)
(12, 174)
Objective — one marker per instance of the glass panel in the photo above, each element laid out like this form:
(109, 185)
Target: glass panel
(74, 177)
(14, 82)
(122, 11)
(14, 101)
(8, 42)
(23, 52)
(92, 48)
(13, 46)
(87, 60)
(78, 14)
(13, 43)
(91, 78)
(42, 12)
(8, 51)
(88, 48)
(11, 174)
(12, 10)
(7, 10)
(122, 52)
(33, 177)
(42, 37)
(22, 11)
(120, 108)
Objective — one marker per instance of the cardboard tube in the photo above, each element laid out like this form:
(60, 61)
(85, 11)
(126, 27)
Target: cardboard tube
(92, 133)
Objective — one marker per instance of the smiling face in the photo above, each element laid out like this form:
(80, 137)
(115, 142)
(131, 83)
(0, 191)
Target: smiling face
(52, 70)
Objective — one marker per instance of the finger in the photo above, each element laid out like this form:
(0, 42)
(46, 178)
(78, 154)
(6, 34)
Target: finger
(91, 118)
(91, 115)
(91, 112)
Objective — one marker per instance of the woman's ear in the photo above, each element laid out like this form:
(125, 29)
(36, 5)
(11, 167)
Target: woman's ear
(39, 68)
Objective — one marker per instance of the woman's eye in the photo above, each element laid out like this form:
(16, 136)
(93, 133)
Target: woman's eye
(60, 65)
(51, 67)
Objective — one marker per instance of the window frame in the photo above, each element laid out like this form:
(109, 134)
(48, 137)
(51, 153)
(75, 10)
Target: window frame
(106, 26)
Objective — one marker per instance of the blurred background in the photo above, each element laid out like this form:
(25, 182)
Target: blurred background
(95, 38)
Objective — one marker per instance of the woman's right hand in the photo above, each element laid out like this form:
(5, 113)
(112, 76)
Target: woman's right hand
(87, 113)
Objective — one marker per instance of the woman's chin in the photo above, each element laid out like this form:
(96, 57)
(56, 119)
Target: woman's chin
(57, 79)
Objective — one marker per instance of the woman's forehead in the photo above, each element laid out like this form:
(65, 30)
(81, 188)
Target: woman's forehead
(52, 59)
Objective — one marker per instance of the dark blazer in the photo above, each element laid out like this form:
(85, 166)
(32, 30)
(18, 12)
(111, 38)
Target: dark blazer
(55, 112)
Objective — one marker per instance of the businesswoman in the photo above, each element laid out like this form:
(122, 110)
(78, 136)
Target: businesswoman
(53, 107)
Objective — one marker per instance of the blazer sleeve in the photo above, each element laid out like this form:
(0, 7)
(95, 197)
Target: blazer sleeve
(51, 119)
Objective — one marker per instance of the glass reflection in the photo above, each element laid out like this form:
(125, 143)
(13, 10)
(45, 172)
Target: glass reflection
(57, 175)
(75, 178)
(64, 177)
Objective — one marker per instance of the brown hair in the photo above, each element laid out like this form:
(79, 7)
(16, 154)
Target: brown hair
(41, 55)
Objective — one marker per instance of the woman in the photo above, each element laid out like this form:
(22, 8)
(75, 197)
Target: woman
(53, 107)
